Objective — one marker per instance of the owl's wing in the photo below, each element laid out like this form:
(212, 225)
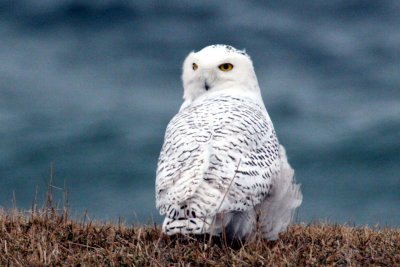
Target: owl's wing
(218, 156)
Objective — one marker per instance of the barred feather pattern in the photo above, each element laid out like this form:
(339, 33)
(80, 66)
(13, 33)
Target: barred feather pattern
(220, 156)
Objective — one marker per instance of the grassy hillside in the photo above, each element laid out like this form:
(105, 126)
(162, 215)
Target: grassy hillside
(47, 237)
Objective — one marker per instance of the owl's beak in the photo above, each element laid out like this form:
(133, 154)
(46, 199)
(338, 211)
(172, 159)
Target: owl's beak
(206, 86)
(209, 78)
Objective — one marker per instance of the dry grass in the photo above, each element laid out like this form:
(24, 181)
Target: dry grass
(47, 237)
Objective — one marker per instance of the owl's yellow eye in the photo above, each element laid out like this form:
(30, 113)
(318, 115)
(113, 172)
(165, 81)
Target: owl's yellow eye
(226, 67)
(194, 66)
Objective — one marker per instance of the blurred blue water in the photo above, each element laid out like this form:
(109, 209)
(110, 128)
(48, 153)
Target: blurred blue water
(89, 87)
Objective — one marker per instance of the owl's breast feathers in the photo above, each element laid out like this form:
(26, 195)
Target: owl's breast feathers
(220, 154)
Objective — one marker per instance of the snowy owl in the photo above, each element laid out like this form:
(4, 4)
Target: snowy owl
(221, 168)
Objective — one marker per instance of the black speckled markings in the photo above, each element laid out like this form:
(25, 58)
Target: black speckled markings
(199, 174)
(231, 49)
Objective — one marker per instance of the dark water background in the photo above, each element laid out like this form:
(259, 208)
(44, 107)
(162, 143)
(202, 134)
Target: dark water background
(89, 87)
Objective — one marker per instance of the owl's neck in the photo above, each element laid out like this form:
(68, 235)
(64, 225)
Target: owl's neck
(253, 95)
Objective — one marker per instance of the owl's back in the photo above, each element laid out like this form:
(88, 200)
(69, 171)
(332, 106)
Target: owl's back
(220, 155)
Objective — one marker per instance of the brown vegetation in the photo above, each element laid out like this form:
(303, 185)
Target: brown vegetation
(47, 237)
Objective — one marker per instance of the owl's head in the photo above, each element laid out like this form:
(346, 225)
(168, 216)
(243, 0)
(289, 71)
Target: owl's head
(217, 68)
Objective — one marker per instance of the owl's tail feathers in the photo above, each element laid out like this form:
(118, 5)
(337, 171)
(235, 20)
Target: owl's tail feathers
(278, 210)
(185, 226)
(196, 226)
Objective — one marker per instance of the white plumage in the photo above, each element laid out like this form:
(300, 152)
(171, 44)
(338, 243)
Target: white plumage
(221, 167)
